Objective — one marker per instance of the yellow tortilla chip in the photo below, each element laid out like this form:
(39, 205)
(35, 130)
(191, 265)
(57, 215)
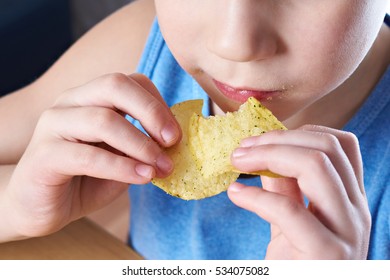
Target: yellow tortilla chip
(202, 158)
(186, 180)
(213, 139)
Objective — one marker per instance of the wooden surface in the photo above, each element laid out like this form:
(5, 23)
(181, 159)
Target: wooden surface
(81, 240)
(120, 209)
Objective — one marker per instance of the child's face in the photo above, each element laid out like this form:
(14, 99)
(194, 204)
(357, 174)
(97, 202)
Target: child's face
(287, 53)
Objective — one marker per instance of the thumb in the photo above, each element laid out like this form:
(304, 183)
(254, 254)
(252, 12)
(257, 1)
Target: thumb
(279, 207)
(261, 200)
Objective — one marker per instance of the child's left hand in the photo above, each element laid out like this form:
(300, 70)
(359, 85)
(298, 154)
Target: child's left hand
(322, 164)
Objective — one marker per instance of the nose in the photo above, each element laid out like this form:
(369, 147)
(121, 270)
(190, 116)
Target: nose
(242, 31)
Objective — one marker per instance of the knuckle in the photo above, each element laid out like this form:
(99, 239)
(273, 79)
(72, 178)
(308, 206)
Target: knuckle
(47, 114)
(102, 118)
(318, 159)
(46, 118)
(154, 109)
(331, 142)
(140, 78)
(289, 207)
(367, 219)
(351, 138)
(363, 212)
(60, 99)
(144, 82)
(320, 162)
(86, 158)
(115, 81)
(63, 97)
(148, 148)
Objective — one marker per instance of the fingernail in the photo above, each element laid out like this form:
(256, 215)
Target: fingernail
(236, 187)
(239, 152)
(169, 133)
(144, 170)
(164, 163)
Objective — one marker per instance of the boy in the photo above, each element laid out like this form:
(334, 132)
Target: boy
(319, 63)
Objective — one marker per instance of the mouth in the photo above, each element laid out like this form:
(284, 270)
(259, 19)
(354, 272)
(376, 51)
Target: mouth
(242, 94)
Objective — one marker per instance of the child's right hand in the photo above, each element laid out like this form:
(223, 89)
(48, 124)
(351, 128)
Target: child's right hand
(84, 153)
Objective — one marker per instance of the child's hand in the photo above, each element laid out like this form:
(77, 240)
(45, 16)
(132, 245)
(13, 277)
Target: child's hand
(324, 165)
(84, 153)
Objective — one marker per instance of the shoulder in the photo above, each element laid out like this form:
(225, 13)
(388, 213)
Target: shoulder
(124, 32)
(113, 45)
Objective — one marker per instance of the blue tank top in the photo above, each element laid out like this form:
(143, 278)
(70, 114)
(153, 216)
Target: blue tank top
(165, 227)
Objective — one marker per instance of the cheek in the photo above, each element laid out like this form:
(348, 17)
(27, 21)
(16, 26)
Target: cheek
(182, 27)
(325, 56)
(321, 63)
(312, 67)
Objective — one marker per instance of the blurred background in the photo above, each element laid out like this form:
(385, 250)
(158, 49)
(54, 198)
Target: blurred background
(34, 33)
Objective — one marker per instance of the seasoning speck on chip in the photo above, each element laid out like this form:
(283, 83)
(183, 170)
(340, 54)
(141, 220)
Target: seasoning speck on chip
(202, 158)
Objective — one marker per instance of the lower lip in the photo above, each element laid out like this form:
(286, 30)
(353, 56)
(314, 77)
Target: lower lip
(241, 95)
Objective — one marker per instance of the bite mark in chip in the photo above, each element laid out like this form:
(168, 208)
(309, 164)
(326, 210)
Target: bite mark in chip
(213, 139)
(202, 158)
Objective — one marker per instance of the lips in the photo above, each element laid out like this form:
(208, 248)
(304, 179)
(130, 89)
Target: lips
(241, 95)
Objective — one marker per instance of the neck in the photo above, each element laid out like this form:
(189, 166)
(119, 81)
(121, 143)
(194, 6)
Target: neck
(345, 100)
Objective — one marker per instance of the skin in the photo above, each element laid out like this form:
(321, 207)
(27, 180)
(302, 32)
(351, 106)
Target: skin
(84, 163)
(303, 68)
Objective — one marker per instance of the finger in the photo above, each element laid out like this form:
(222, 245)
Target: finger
(118, 91)
(82, 159)
(350, 145)
(145, 82)
(291, 217)
(97, 124)
(316, 176)
(320, 140)
(283, 186)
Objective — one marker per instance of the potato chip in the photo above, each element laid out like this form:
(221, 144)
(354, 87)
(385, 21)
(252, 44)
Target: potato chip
(202, 158)
(186, 180)
(213, 139)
